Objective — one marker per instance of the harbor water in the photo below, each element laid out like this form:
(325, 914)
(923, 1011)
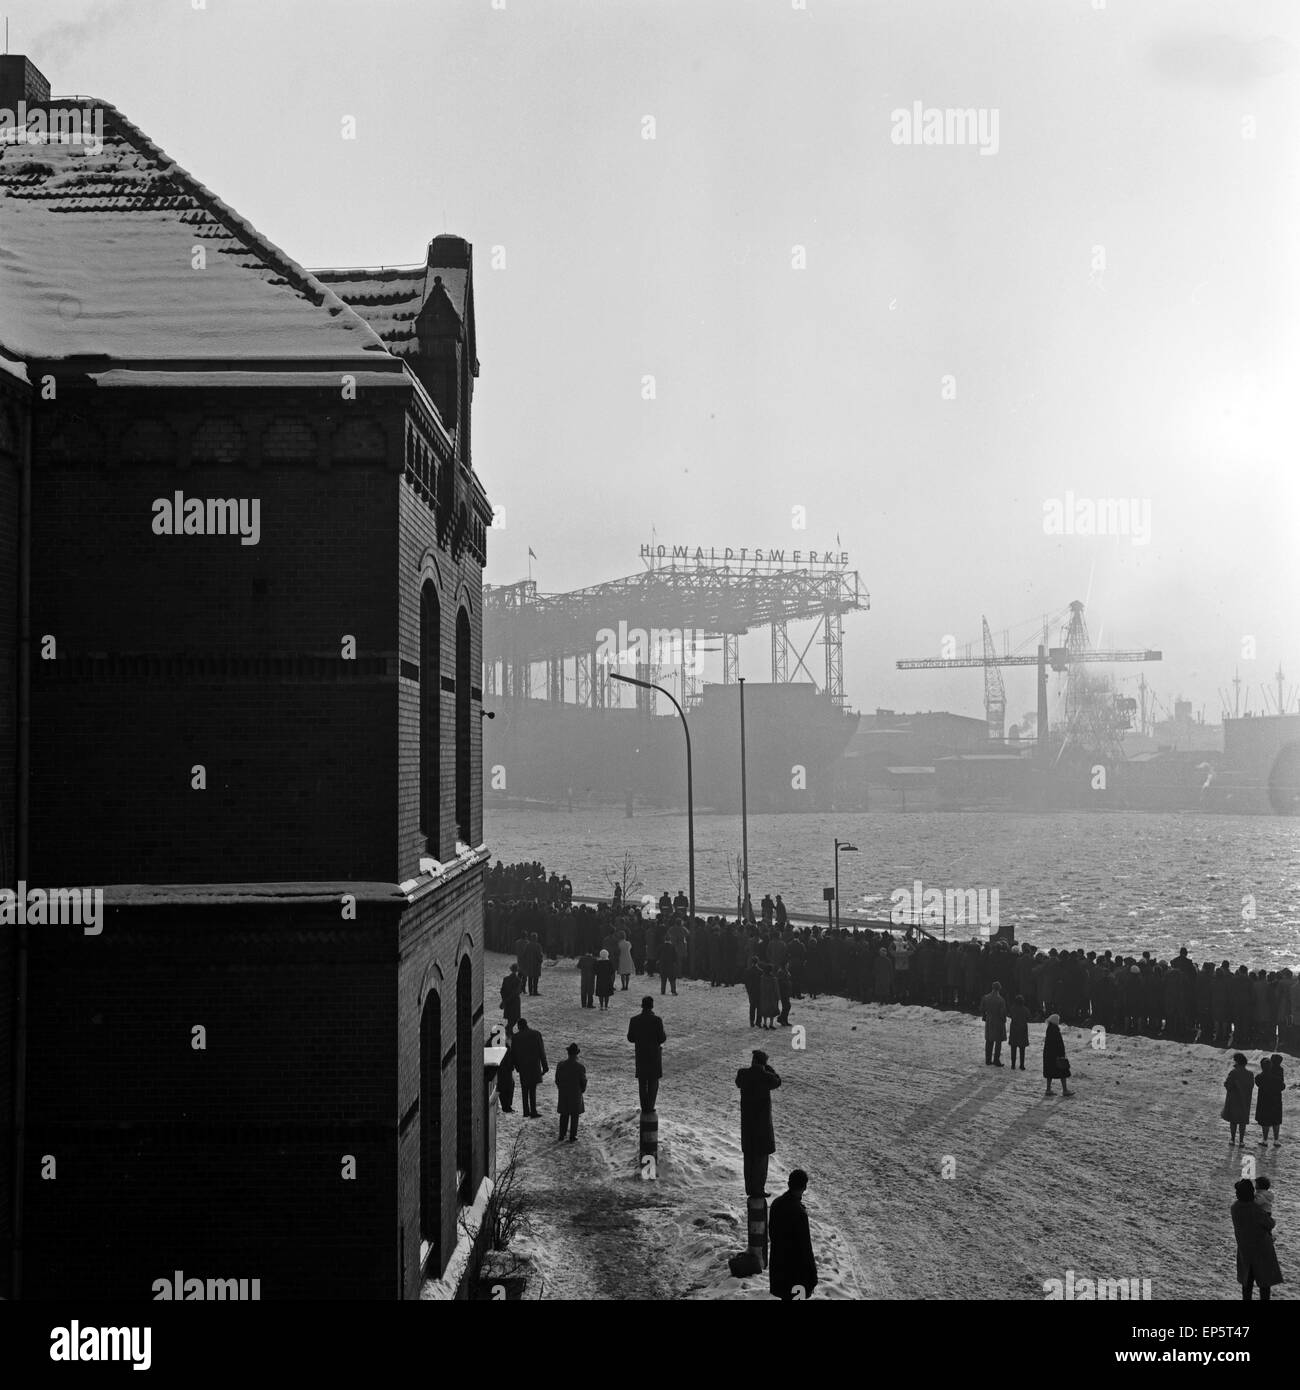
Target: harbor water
(1227, 887)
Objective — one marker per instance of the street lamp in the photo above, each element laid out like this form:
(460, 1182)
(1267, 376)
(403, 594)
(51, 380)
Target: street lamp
(841, 847)
(748, 909)
(690, 786)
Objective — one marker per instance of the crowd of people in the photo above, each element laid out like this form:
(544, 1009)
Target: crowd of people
(527, 883)
(533, 917)
(779, 963)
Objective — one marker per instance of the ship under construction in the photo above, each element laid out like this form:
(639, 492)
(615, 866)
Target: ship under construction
(561, 731)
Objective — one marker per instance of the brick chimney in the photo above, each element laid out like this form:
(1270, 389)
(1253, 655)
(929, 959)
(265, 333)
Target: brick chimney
(21, 81)
(447, 360)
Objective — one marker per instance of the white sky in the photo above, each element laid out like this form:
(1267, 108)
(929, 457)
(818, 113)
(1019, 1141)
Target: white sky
(1169, 377)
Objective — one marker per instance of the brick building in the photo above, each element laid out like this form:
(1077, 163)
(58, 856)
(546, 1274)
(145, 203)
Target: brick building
(241, 556)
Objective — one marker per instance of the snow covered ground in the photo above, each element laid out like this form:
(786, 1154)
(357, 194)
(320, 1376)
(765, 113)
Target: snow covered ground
(932, 1176)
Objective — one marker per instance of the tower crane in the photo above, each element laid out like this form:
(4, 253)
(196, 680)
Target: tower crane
(1075, 651)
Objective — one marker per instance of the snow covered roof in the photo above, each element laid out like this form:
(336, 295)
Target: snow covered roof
(96, 259)
(365, 380)
(392, 298)
(252, 894)
(10, 368)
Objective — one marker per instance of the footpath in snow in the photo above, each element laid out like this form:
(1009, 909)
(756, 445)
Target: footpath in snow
(932, 1176)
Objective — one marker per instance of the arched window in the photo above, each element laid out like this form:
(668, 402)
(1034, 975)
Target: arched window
(431, 1126)
(465, 1077)
(430, 733)
(463, 799)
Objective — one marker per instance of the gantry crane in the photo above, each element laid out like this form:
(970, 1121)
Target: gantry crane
(1075, 651)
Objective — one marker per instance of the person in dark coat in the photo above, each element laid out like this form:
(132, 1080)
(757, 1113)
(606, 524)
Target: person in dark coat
(993, 1009)
(1241, 1005)
(512, 988)
(506, 1083)
(528, 1052)
(751, 977)
(1204, 1006)
(570, 1083)
(767, 996)
(783, 993)
(668, 963)
(587, 979)
(646, 1032)
(1270, 1083)
(757, 1141)
(1055, 1062)
(1240, 1086)
(884, 977)
(1019, 1032)
(534, 962)
(1219, 1007)
(1256, 1257)
(604, 979)
(792, 1267)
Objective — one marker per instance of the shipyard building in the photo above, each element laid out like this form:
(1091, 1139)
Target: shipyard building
(241, 557)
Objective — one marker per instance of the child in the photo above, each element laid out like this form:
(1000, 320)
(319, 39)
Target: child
(1264, 1195)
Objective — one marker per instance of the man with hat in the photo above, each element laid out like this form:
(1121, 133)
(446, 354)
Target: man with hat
(570, 1082)
(757, 1141)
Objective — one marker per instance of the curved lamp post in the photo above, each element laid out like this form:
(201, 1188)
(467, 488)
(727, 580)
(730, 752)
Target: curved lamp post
(690, 786)
(841, 847)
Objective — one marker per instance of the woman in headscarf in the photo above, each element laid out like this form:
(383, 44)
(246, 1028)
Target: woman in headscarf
(1055, 1062)
(1271, 1082)
(1240, 1086)
(604, 979)
(1256, 1257)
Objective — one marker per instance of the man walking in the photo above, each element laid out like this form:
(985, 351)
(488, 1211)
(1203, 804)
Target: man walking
(757, 1141)
(528, 1053)
(646, 1033)
(570, 1082)
(792, 1270)
(994, 1009)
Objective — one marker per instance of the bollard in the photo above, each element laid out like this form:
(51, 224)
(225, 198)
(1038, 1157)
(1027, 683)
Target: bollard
(649, 1133)
(758, 1229)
